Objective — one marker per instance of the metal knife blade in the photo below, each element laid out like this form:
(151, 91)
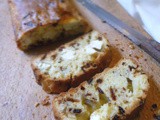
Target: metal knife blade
(150, 46)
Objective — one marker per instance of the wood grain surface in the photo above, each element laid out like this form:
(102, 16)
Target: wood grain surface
(19, 93)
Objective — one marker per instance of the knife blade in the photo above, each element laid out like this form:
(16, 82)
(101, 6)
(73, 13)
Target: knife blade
(150, 46)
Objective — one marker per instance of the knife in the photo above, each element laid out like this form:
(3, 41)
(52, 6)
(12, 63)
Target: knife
(150, 46)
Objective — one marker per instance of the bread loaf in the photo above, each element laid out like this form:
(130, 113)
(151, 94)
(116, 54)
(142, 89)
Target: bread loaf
(113, 94)
(41, 21)
(72, 63)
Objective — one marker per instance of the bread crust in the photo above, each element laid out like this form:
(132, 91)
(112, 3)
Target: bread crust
(32, 16)
(102, 61)
(135, 112)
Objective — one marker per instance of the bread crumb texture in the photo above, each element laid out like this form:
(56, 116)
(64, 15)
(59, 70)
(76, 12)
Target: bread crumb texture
(111, 95)
(68, 60)
(86, 55)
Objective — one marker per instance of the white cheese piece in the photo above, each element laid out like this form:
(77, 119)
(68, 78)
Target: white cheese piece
(68, 55)
(90, 50)
(100, 114)
(58, 74)
(51, 71)
(44, 66)
(66, 71)
(96, 44)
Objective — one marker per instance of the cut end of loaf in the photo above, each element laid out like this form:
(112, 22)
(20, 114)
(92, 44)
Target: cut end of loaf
(69, 27)
(113, 94)
(73, 62)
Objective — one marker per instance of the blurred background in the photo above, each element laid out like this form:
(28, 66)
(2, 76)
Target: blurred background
(147, 13)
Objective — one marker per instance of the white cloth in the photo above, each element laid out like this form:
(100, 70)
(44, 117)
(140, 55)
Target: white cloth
(147, 12)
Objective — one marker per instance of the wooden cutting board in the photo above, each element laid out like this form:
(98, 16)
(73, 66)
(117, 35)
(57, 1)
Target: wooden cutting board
(19, 93)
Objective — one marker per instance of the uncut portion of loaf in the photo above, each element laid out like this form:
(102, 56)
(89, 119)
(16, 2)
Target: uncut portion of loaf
(72, 63)
(113, 94)
(41, 21)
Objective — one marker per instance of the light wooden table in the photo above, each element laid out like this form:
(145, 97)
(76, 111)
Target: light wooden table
(18, 91)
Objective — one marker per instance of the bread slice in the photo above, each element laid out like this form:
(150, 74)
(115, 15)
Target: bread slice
(39, 22)
(111, 95)
(72, 63)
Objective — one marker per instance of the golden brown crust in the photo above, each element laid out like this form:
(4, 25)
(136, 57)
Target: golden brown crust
(37, 13)
(135, 112)
(54, 85)
(56, 113)
(29, 16)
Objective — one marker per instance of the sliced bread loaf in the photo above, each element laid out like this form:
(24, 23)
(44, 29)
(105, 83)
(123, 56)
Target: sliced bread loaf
(113, 94)
(72, 63)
